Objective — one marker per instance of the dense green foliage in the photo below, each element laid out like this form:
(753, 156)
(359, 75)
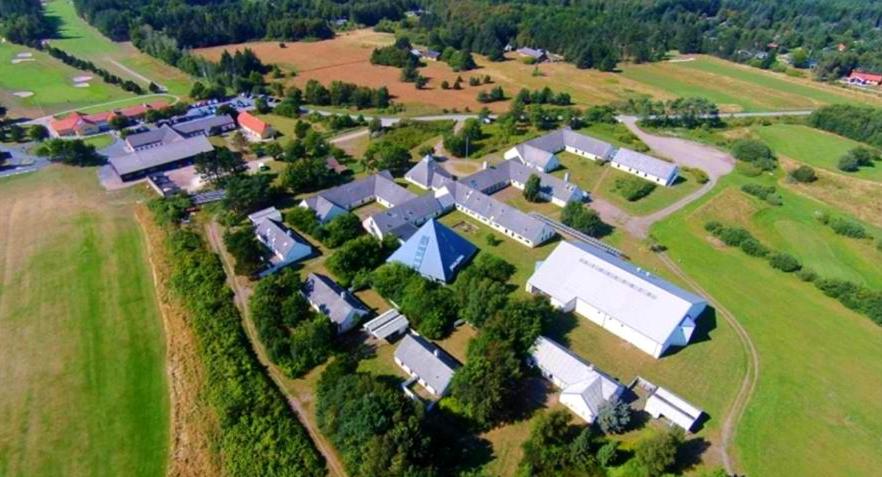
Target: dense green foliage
(844, 226)
(333, 234)
(764, 192)
(105, 75)
(861, 123)
(690, 113)
(803, 174)
(377, 429)
(613, 416)
(22, 21)
(657, 452)
(295, 337)
(532, 188)
(585, 220)
(480, 289)
(858, 157)
(245, 249)
(71, 152)
(341, 93)
(755, 153)
(633, 188)
(259, 433)
(358, 257)
(247, 193)
(430, 307)
(556, 447)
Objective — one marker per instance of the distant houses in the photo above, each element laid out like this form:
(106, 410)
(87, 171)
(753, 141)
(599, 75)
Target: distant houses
(207, 126)
(584, 389)
(338, 304)
(435, 252)
(285, 245)
(79, 124)
(645, 310)
(541, 154)
(426, 363)
(864, 78)
(537, 54)
(157, 151)
(379, 187)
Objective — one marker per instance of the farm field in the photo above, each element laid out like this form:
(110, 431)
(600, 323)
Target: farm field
(814, 147)
(82, 354)
(84, 41)
(820, 380)
(50, 81)
(734, 87)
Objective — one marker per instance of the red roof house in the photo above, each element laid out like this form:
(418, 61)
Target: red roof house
(74, 124)
(254, 126)
(864, 78)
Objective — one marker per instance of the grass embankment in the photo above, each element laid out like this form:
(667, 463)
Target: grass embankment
(81, 342)
(820, 381)
(84, 41)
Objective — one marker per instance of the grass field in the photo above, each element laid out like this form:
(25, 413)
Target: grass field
(82, 40)
(81, 345)
(50, 80)
(734, 87)
(814, 147)
(820, 382)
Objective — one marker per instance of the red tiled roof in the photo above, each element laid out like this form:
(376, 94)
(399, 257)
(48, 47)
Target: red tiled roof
(67, 123)
(99, 117)
(252, 123)
(864, 76)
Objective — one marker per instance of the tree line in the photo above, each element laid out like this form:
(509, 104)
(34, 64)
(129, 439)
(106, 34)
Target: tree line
(80, 64)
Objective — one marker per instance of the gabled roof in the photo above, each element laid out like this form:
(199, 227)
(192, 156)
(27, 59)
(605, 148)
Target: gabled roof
(535, 156)
(271, 213)
(391, 322)
(379, 185)
(646, 303)
(252, 123)
(866, 76)
(68, 122)
(532, 52)
(587, 144)
(435, 251)
(561, 139)
(164, 135)
(403, 220)
(160, 156)
(283, 241)
(643, 163)
(501, 213)
(548, 184)
(331, 299)
(429, 362)
(204, 124)
(428, 174)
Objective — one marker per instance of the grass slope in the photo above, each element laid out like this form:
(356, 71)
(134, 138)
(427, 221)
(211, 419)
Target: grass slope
(81, 344)
(820, 383)
(814, 147)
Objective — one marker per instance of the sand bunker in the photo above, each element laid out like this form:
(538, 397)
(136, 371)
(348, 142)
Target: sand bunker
(24, 54)
(81, 79)
(21, 60)
(81, 85)
(23, 94)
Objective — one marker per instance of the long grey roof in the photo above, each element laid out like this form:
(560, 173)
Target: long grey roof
(379, 185)
(204, 124)
(588, 144)
(492, 178)
(387, 324)
(158, 156)
(643, 163)
(164, 135)
(404, 219)
(280, 239)
(559, 140)
(267, 213)
(499, 212)
(331, 299)
(429, 362)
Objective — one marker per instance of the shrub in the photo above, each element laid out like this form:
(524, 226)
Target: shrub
(784, 262)
(856, 158)
(766, 193)
(756, 153)
(804, 174)
(753, 247)
(632, 188)
(879, 244)
(613, 416)
(733, 236)
(584, 220)
(848, 228)
(492, 240)
(806, 274)
(712, 226)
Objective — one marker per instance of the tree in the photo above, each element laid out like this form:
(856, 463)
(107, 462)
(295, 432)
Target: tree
(533, 188)
(633, 188)
(341, 229)
(261, 106)
(307, 175)
(386, 155)
(71, 152)
(756, 153)
(804, 174)
(585, 220)
(657, 452)
(247, 193)
(486, 385)
(784, 262)
(37, 132)
(219, 163)
(613, 416)
(375, 125)
(546, 449)
(245, 249)
(364, 253)
(858, 157)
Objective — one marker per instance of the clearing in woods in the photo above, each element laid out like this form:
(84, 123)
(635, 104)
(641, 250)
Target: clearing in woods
(82, 355)
(734, 87)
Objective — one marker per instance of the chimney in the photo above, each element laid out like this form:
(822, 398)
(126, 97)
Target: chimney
(567, 176)
(484, 165)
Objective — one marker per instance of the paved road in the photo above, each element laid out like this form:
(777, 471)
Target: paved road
(20, 162)
(350, 135)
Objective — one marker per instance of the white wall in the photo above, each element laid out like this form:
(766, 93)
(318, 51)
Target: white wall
(616, 327)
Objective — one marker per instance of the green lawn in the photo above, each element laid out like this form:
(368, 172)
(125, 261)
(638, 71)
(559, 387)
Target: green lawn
(50, 80)
(82, 40)
(81, 343)
(100, 141)
(814, 147)
(817, 409)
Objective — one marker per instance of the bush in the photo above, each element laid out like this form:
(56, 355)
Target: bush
(613, 416)
(585, 220)
(848, 228)
(766, 193)
(756, 153)
(804, 174)
(858, 157)
(784, 262)
(733, 236)
(806, 274)
(753, 247)
(712, 226)
(633, 188)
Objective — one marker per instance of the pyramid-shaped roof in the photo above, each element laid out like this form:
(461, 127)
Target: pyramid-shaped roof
(435, 251)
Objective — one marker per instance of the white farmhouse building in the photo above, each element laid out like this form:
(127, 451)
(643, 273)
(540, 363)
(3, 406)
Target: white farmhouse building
(584, 389)
(648, 312)
(663, 403)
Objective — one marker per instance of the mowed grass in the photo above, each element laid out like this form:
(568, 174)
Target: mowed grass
(741, 88)
(814, 147)
(820, 380)
(81, 343)
(50, 80)
(80, 39)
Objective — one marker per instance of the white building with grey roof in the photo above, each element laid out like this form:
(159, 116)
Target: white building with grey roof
(165, 156)
(428, 174)
(379, 187)
(584, 389)
(644, 166)
(424, 361)
(645, 310)
(285, 245)
(337, 303)
(206, 126)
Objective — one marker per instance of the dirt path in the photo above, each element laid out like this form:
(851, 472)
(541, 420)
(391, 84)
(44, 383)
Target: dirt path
(748, 384)
(350, 136)
(241, 295)
(130, 71)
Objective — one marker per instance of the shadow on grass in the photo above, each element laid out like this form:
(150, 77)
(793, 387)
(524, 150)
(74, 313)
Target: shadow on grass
(560, 326)
(705, 323)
